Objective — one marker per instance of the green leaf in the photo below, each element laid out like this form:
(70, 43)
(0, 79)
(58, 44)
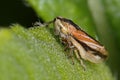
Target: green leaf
(112, 10)
(94, 16)
(108, 21)
(77, 10)
(36, 54)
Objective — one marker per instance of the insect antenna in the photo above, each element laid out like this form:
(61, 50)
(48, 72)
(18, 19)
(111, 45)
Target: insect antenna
(43, 24)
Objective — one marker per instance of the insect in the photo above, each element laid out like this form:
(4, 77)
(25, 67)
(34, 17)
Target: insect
(78, 41)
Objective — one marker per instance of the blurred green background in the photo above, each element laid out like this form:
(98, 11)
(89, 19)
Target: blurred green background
(99, 18)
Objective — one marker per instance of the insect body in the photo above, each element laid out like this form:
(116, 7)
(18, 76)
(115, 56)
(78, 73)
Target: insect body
(84, 46)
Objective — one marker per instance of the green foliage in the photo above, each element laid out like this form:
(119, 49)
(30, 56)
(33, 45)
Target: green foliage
(77, 10)
(99, 16)
(112, 8)
(35, 54)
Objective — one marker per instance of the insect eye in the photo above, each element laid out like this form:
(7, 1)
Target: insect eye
(54, 19)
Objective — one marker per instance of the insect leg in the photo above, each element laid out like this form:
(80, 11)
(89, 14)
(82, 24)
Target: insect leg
(68, 46)
(79, 58)
(71, 55)
(64, 41)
